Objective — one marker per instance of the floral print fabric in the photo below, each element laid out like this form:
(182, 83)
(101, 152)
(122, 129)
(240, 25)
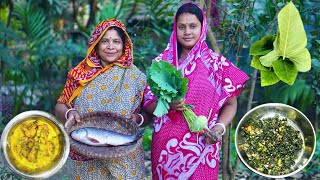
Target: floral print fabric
(178, 153)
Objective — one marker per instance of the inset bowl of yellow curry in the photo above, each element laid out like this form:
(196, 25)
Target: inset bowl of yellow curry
(34, 144)
(275, 140)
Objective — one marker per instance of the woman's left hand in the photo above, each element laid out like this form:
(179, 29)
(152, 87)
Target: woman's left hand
(214, 135)
(134, 117)
(178, 106)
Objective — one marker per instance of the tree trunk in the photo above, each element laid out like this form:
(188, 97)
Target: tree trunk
(226, 155)
(92, 15)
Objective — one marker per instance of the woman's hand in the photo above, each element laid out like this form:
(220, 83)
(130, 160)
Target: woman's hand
(136, 118)
(214, 135)
(178, 106)
(72, 116)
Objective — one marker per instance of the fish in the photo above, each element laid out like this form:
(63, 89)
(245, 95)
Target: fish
(101, 137)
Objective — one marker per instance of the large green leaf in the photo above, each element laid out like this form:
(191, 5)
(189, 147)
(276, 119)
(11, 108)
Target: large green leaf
(268, 78)
(289, 45)
(291, 40)
(255, 62)
(161, 73)
(268, 59)
(285, 70)
(292, 35)
(263, 46)
(302, 60)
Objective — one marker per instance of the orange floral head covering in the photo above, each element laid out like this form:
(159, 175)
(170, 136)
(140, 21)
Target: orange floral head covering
(92, 59)
(91, 67)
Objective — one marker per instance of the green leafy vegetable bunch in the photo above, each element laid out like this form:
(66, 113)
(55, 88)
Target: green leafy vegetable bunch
(167, 83)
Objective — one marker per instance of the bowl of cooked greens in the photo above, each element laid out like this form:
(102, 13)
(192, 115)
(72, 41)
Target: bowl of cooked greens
(34, 144)
(275, 140)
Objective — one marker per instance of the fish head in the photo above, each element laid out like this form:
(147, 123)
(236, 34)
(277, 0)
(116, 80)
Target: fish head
(79, 134)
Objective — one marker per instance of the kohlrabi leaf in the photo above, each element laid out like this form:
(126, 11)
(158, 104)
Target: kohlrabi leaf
(285, 70)
(255, 62)
(164, 82)
(162, 107)
(182, 90)
(263, 46)
(161, 78)
(167, 83)
(268, 78)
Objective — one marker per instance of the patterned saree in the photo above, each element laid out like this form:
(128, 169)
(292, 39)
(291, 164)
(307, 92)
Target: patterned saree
(117, 88)
(176, 152)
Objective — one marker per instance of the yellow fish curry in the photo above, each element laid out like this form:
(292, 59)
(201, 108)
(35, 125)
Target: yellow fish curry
(35, 145)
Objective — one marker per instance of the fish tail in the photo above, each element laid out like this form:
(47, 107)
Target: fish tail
(139, 134)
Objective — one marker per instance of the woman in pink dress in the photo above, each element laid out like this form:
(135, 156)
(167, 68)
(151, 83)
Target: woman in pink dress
(214, 84)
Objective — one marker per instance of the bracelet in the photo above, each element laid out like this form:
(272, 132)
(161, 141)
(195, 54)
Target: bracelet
(223, 126)
(142, 119)
(66, 114)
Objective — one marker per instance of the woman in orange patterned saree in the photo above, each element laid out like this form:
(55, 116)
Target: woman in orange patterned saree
(106, 80)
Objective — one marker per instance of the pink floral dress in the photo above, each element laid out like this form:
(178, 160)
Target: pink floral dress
(176, 152)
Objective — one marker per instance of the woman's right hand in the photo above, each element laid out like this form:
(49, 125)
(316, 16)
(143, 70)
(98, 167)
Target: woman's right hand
(72, 116)
(178, 106)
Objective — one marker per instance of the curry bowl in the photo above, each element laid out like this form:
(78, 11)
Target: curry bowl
(287, 147)
(34, 144)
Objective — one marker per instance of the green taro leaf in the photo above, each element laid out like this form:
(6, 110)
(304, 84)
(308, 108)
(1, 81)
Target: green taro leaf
(268, 78)
(263, 46)
(285, 70)
(257, 64)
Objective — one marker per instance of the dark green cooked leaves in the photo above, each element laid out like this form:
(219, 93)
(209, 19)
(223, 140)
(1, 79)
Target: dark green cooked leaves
(271, 145)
